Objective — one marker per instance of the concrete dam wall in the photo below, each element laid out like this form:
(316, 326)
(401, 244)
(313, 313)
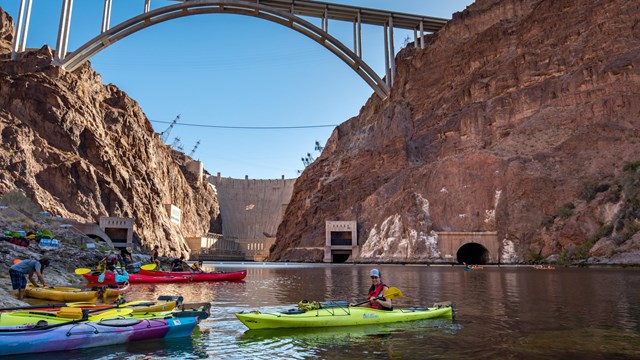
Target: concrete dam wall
(251, 211)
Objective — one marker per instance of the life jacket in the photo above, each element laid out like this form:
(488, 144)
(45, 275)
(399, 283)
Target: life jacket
(376, 291)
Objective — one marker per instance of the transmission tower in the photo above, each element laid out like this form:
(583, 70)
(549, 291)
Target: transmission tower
(165, 134)
(177, 144)
(194, 149)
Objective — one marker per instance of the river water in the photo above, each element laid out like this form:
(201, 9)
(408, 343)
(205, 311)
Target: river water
(501, 313)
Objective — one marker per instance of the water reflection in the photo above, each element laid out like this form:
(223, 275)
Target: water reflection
(501, 312)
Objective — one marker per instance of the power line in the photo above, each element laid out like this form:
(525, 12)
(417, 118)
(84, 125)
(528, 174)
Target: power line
(247, 127)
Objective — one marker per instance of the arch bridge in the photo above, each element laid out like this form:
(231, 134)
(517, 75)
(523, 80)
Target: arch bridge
(287, 13)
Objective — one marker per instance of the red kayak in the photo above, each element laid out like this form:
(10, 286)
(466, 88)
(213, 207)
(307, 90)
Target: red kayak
(196, 276)
(135, 278)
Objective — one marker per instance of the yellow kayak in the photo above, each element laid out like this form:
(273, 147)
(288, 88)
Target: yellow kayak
(65, 294)
(339, 316)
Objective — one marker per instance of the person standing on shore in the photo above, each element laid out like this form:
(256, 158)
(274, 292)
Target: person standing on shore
(18, 271)
(155, 257)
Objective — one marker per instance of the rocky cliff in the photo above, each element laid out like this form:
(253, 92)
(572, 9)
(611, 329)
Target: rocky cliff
(520, 117)
(81, 149)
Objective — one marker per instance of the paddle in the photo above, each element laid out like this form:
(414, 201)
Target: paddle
(391, 293)
(81, 271)
(43, 306)
(148, 266)
(97, 317)
(110, 313)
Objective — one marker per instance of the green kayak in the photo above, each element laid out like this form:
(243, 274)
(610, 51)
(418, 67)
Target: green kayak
(339, 316)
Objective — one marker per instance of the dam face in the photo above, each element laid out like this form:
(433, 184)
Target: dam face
(251, 211)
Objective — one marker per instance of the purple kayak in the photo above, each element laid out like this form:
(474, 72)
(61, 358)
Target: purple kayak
(25, 339)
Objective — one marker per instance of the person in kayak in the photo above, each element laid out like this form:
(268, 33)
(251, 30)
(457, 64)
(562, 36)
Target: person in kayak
(110, 262)
(124, 258)
(376, 298)
(197, 267)
(178, 264)
(18, 271)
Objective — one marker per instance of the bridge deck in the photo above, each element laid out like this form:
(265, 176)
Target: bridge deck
(350, 13)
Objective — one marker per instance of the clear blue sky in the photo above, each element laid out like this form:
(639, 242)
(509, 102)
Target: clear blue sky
(232, 70)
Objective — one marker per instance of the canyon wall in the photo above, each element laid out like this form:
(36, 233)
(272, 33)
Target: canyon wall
(520, 117)
(82, 150)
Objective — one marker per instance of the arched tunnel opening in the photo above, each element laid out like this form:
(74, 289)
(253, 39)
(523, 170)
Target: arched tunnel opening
(472, 254)
(339, 257)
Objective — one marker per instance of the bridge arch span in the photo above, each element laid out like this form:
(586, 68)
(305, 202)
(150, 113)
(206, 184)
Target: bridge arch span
(73, 60)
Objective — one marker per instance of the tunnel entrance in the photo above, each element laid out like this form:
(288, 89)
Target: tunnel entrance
(339, 256)
(472, 254)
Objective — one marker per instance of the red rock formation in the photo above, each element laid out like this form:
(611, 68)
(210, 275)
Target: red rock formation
(6, 32)
(83, 150)
(515, 107)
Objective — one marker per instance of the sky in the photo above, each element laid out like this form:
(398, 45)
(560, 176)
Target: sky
(256, 95)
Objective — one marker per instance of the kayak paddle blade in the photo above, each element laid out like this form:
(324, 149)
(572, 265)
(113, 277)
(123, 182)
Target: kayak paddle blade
(393, 293)
(110, 314)
(81, 271)
(148, 267)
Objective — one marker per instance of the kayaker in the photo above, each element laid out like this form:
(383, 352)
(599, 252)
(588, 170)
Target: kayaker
(110, 262)
(197, 266)
(18, 271)
(376, 300)
(155, 257)
(125, 256)
(177, 264)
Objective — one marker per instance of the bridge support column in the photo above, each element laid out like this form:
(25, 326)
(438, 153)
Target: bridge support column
(106, 15)
(392, 52)
(325, 21)
(387, 71)
(357, 35)
(22, 28)
(63, 30)
(389, 52)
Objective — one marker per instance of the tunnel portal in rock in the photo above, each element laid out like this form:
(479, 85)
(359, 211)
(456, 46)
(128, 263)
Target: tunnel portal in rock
(472, 254)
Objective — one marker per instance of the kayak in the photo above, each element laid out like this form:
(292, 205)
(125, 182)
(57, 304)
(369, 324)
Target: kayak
(135, 306)
(196, 276)
(164, 303)
(23, 339)
(339, 316)
(61, 293)
(63, 315)
(135, 278)
(59, 317)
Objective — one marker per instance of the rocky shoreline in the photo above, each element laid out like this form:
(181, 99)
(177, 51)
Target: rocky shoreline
(64, 260)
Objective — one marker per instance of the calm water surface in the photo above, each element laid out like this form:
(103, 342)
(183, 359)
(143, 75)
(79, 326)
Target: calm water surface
(501, 313)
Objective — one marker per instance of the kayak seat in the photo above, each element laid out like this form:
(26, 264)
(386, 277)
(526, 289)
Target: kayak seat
(120, 322)
(41, 324)
(293, 312)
